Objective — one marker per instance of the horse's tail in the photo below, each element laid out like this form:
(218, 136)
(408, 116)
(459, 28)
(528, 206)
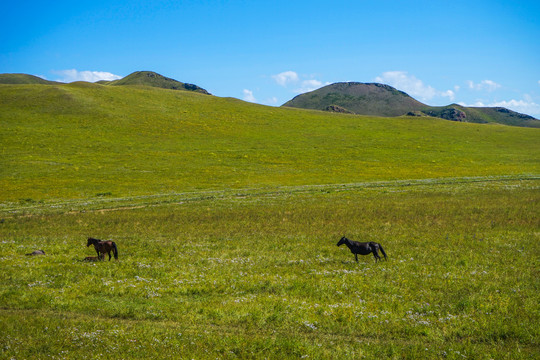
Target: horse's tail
(115, 250)
(382, 250)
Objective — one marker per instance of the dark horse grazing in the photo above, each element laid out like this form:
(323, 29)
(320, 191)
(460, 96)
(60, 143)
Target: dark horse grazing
(363, 248)
(103, 247)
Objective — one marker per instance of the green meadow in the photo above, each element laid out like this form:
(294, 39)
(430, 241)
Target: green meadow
(227, 215)
(82, 140)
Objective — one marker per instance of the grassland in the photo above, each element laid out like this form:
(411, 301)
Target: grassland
(227, 214)
(83, 140)
(259, 275)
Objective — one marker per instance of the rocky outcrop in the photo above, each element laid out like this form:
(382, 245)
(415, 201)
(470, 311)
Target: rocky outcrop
(338, 109)
(450, 113)
(37, 252)
(453, 114)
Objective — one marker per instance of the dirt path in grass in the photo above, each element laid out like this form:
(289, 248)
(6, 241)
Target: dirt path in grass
(12, 210)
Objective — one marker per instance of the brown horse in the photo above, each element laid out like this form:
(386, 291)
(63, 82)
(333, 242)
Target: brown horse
(103, 247)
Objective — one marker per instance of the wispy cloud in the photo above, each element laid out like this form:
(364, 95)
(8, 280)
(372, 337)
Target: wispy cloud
(301, 83)
(484, 85)
(524, 106)
(286, 78)
(248, 96)
(403, 81)
(309, 85)
(449, 94)
(90, 76)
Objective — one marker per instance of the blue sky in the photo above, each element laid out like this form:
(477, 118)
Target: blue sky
(478, 53)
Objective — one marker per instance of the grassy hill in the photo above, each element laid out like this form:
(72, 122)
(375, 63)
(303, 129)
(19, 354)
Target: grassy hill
(83, 140)
(138, 78)
(24, 79)
(150, 78)
(366, 99)
(383, 100)
(227, 213)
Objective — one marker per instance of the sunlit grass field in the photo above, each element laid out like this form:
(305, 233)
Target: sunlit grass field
(227, 216)
(260, 276)
(82, 141)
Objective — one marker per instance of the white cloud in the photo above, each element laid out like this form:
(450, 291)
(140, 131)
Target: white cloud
(302, 83)
(522, 106)
(89, 76)
(286, 77)
(411, 85)
(312, 83)
(484, 85)
(475, 104)
(526, 106)
(309, 85)
(248, 96)
(449, 94)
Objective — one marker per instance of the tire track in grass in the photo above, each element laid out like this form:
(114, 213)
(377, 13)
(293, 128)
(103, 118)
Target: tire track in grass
(9, 210)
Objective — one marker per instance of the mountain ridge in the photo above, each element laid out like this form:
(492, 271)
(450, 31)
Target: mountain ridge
(21, 79)
(377, 99)
(141, 78)
(374, 99)
(150, 78)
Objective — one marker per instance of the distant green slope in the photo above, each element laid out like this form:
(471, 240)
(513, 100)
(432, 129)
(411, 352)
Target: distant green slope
(150, 78)
(83, 140)
(141, 78)
(359, 98)
(383, 100)
(482, 115)
(24, 79)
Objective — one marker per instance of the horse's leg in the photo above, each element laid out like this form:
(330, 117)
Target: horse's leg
(376, 254)
(109, 252)
(382, 251)
(356, 257)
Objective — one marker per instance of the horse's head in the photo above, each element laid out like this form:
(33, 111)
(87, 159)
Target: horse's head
(342, 241)
(90, 242)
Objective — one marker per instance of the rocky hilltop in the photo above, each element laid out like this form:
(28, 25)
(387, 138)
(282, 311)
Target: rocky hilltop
(383, 100)
(150, 78)
(141, 78)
